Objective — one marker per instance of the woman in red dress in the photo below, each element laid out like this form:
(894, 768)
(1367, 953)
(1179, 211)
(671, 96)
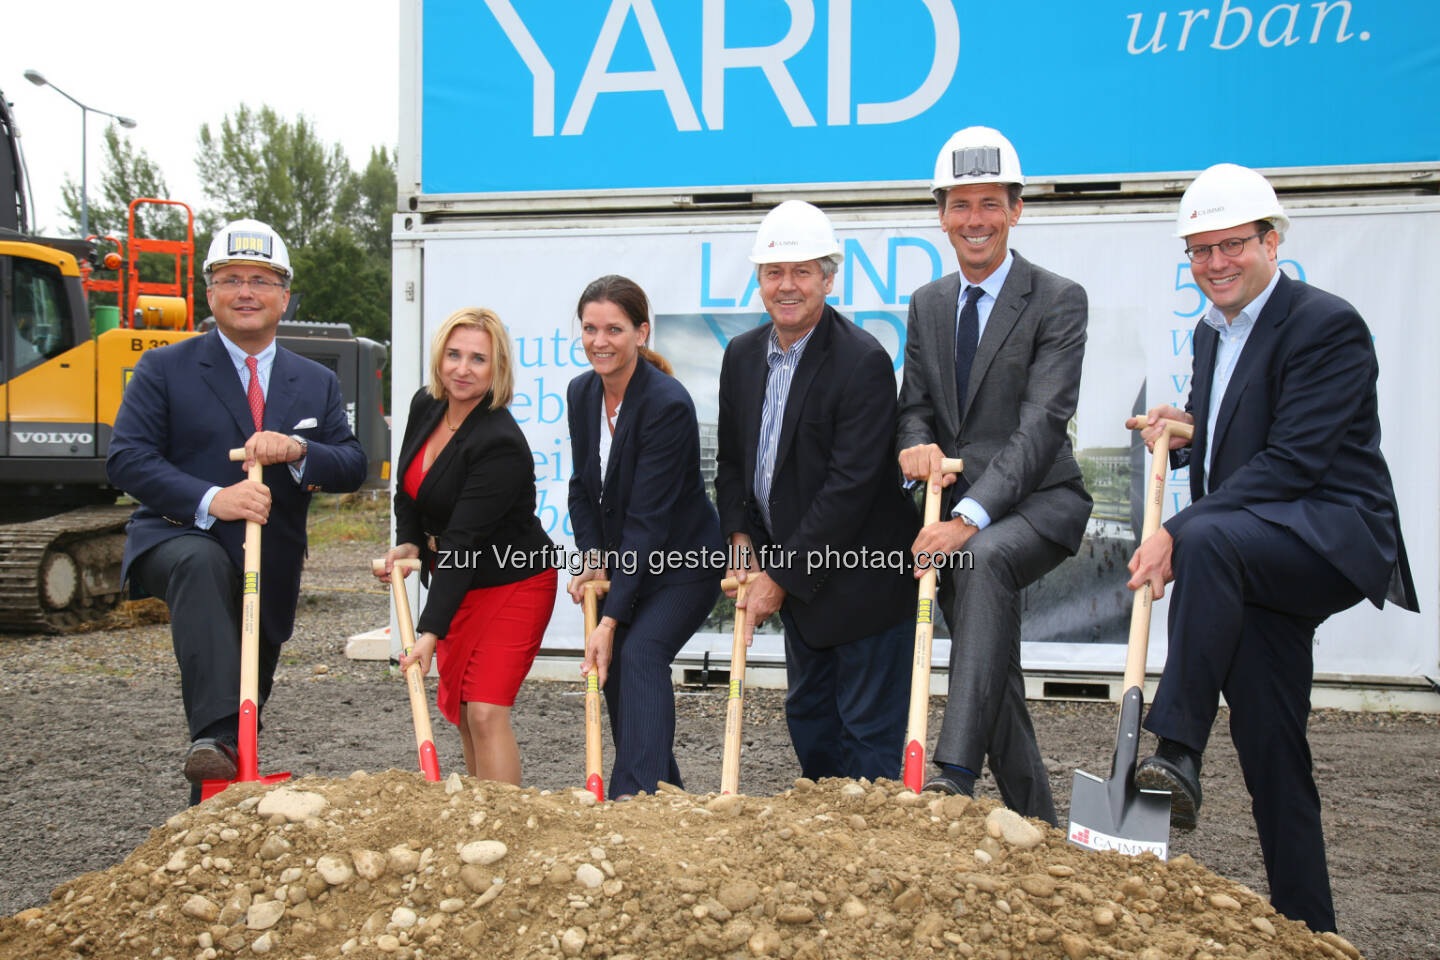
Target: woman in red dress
(466, 508)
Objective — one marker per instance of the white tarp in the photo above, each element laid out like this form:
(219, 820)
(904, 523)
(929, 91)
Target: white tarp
(1142, 310)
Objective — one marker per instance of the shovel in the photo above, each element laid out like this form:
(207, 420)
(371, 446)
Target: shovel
(916, 732)
(248, 734)
(735, 704)
(594, 780)
(414, 680)
(1114, 814)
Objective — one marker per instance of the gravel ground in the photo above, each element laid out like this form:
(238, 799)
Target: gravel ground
(92, 736)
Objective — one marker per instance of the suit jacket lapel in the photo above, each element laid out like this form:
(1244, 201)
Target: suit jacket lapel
(949, 294)
(218, 371)
(630, 408)
(428, 417)
(1204, 342)
(590, 404)
(1003, 316)
(283, 390)
(1254, 354)
(816, 351)
(753, 370)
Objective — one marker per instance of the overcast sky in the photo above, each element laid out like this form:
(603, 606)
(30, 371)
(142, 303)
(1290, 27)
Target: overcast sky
(172, 66)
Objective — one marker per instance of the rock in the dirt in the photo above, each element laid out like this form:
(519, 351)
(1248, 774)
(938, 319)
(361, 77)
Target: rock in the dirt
(201, 908)
(1015, 829)
(368, 863)
(1075, 947)
(453, 784)
(403, 918)
(739, 895)
(853, 908)
(1223, 901)
(954, 806)
(588, 875)
(483, 852)
(726, 804)
(263, 916)
(794, 913)
(274, 847)
(572, 942)
(402, 860)
(334, 870)
(1263, 925)
(294, 805)
(263, 943)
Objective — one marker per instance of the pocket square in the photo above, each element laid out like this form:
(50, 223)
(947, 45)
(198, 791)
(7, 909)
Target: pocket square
(306, 424)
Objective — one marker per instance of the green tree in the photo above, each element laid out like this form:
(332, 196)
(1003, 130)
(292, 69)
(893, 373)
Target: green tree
(339, 281)
(128, 174)
(261, 165)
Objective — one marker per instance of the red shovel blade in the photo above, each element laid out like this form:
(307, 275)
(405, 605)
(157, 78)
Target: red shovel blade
(208, 788)
(914, 775)
(429, 762)
(596, 786)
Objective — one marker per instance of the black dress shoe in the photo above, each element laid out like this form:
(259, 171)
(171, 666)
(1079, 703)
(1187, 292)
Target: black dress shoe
(946, 784)
(1176, 768)
(211, 759)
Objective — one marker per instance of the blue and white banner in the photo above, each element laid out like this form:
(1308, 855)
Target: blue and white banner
(540, 95)
(1143, 309)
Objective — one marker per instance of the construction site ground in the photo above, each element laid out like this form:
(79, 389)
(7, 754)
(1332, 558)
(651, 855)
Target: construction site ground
(92, 738)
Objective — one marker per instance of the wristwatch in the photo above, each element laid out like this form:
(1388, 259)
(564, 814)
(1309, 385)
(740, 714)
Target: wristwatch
(304, 444)
(967, 521)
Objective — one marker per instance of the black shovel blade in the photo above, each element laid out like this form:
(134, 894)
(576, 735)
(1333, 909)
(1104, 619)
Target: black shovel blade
(1114, 814)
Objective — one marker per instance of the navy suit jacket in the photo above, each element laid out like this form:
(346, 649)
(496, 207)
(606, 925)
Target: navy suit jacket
(1297, 439)
(835, 483)
(653, 497)
(183, 411)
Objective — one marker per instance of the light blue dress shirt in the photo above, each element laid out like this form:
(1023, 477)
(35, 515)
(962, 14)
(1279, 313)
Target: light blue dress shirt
(777, 392)
(991, 285)
(264, 363)
(1233, 336)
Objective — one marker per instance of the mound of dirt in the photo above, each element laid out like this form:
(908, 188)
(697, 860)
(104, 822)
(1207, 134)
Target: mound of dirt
(390, 866)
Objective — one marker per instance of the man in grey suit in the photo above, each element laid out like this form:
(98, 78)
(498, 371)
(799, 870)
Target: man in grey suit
(992, 374)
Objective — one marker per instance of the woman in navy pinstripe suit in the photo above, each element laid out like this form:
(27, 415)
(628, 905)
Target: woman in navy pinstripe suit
(637, 493)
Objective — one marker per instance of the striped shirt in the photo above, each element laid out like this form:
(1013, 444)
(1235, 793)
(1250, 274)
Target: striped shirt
(777, 390)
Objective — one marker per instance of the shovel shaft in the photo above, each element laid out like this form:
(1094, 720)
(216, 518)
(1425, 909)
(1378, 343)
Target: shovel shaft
(594, 780)
(248, 732)
(917, 733)
(414, 680)
(735, 704)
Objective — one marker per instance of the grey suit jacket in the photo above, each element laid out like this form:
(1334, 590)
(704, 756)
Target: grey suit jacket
(1024, 385)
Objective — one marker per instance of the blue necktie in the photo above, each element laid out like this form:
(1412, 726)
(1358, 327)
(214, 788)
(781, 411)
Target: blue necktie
(967, 339)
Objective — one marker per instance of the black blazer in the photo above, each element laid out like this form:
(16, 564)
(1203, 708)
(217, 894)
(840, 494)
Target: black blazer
(653, 497)
(477, 501)
(1297, 440)
(835, 484)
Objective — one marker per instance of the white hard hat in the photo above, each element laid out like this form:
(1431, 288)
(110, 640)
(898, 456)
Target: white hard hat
(248, 241)
(976, 155)
(1228, 195)
(794, 232)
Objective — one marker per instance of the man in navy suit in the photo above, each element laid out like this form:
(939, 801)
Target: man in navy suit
(1292, 519)
(186, 406)
(809, 496)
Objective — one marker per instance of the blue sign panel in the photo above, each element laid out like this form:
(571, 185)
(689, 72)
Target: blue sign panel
(543, 95)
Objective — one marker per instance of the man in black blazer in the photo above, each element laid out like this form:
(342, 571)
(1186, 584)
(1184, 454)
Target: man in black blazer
(992, 375)
(1292, 519)
(808, 493)
(185, 407)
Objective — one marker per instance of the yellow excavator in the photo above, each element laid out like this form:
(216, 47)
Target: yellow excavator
(62, 377)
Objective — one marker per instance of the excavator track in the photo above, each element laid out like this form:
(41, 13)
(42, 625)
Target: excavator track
(62, 571)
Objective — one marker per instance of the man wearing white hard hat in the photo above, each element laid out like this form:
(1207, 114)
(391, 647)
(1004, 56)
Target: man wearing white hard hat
(992, 375)
(819, 529)
(185, 407)
(1292, 519)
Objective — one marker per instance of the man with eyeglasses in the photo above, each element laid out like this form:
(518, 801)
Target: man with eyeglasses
(992, 375)
(185, 407)
(1292, 519)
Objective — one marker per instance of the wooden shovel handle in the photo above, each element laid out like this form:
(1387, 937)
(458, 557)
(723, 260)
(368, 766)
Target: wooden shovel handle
(735, 702)
(414, 679)
(594, 778)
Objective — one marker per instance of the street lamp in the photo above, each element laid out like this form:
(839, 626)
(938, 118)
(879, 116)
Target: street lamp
(38, 78)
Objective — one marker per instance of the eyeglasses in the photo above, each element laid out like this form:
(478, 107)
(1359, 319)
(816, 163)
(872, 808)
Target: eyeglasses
(258, 284)
(1230, 246)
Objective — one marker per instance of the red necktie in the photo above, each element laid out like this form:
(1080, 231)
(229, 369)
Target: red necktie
(256, 395)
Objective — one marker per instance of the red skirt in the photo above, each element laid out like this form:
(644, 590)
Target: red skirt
(492, 642)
